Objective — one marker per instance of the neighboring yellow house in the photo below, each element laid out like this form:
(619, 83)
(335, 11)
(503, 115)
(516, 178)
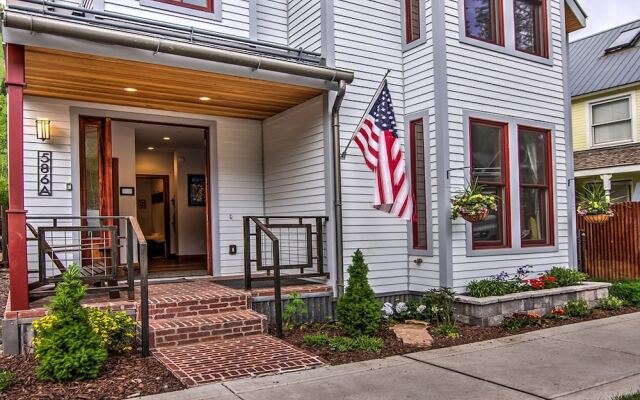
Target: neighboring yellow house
(605, 90)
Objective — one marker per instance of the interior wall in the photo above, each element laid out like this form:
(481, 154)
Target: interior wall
(123, 147)
(191, 220)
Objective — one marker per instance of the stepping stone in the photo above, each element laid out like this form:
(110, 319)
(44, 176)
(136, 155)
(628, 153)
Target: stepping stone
(413, 333)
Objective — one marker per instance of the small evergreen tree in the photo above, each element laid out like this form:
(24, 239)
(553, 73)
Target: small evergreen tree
(358, 310)
(68, 348)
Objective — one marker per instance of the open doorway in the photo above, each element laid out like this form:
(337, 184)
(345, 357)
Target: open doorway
(153, 202)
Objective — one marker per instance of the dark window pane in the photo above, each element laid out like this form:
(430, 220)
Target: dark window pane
(419, 184)
(530, 26)
(533, 157)
(91, 167)
(620, 191)
(487, 147)
(491, 230)
(483, 20)
(413, 20)
(533, 214)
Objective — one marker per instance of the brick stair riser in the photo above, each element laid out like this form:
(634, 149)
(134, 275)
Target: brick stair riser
(195, 308)
(206, 332)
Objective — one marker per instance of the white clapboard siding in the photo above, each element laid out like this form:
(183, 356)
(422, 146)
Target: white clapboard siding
(240, 188)
(235, 16)
(271, 21)
(305, 24)
(492, 82)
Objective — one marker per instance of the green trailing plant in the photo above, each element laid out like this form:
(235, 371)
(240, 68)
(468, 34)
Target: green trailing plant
(627, 291)
(577, 308)
(472, 201)
(566, 276)
(594, 201)
(358, 310)
(67, 347)
(610, 303)
(343, 344)
(5, 380)
(294, 310)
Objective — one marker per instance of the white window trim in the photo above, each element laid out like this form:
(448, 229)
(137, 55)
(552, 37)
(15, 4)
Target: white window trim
(423, 27)
(634, 120)
(508, 24)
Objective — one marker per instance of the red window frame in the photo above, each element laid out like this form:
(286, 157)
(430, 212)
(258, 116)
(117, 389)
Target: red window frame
(549, 207)
(208, 7)
(504, 206)
(414, 187)
(499, 28)
(544, 36)
(408, 8)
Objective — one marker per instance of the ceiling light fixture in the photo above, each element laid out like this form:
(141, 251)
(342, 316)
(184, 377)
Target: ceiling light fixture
(205, 98)
(167, 138)
(130, 89)
(151, 148)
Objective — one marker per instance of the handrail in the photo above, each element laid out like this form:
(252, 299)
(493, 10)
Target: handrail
(134, 228)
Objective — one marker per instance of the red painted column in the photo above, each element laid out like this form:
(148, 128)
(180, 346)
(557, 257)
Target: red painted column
(16, 214)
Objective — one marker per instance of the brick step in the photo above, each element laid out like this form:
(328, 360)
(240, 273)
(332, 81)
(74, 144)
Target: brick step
(234, 358)
(200, 329)
(193, 299)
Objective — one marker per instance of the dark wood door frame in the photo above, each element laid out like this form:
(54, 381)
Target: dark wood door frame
(104, 166)
(167, 208)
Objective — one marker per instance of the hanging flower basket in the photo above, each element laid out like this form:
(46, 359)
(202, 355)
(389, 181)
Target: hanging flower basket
(596, 218)
(477, 217)
(473, 204)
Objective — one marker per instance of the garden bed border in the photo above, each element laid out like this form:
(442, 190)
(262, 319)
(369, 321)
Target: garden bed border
(491, 311)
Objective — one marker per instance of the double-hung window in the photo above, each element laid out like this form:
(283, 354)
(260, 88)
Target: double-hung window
(530, 26)
(483, 20)
(611, 121)
(490, 169)
(419, 182)
(412, 20)
(536, 197)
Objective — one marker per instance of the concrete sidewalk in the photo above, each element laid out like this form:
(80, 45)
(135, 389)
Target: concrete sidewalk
(589, 360)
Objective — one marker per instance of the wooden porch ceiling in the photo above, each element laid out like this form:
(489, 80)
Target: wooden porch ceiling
(84, 77)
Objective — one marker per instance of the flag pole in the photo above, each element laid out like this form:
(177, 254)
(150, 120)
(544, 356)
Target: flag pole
(343, 155)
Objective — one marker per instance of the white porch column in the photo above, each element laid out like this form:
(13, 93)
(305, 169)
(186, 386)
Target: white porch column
(606, 183)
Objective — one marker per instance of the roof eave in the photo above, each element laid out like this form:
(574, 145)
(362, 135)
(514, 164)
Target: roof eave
(578, 14)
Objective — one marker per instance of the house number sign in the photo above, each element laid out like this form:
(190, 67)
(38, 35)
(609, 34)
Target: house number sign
(45, 176)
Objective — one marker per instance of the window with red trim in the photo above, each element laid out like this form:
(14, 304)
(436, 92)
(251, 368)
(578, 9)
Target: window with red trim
(536, 197)
(202, 5)
(419, 183)
(412, 20)
(483, 20)
(490, 169)
(530, 25)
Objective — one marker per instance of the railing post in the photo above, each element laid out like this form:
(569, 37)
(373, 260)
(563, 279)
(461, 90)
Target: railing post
(246, 229)
(319, 245)
(42, 272)
(130, 269)
(277, 287)
(144, 299)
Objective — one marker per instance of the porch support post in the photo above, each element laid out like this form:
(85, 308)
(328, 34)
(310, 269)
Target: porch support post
(16, 214)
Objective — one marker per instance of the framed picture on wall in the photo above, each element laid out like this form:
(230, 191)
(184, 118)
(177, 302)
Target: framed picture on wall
(197, 190)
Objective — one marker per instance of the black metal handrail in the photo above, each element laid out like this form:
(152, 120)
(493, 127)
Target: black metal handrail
(79, 224)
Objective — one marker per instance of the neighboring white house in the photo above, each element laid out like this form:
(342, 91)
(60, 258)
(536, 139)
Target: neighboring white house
(479, 88)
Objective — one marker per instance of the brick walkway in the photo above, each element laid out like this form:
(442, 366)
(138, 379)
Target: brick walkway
(203, 333)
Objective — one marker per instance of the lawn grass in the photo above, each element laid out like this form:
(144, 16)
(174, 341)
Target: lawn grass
(632, 396)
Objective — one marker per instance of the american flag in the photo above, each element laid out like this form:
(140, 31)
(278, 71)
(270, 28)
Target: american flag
(377, 137)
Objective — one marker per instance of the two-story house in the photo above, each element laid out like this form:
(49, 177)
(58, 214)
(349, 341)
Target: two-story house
(190, 115)
(605, 84)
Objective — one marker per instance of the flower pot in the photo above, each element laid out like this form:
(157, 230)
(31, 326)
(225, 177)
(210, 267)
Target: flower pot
(475, 217)
(596, 218)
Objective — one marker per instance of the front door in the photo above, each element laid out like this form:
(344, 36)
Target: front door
(96, 182)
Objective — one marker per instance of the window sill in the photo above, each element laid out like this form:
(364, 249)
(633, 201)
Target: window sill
(612, 144)
(505, 50)
(511, 251)
(215, 15)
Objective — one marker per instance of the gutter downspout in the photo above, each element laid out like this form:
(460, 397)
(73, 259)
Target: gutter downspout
(337, 185)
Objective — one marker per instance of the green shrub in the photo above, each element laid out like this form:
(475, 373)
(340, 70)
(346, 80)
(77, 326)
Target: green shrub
(567, 276)
(577, 308)
(492, 287)
(449, 330)
(439, 303)
(116, 330)
(633, 396)
(343, 343)
(294, 310)
(358, 310)
(519, 321)
(610, 303)
(5, 379)
(67, 347)
(628, 291)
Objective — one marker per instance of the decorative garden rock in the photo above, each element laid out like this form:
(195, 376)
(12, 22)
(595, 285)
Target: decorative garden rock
(413, 333)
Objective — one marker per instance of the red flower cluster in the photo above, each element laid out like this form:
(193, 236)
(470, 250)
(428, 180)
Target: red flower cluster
(541, 282)
(557, 311)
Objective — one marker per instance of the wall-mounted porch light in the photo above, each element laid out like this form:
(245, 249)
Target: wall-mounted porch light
(43, 128)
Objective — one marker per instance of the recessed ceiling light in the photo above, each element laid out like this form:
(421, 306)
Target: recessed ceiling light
(151, 148)
(167, 138)
(205, 98)
(130, 89)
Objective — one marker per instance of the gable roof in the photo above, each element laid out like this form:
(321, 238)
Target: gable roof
(591, 70)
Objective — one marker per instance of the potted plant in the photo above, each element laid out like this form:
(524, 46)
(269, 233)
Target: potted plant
(594, 206)
(472, 204)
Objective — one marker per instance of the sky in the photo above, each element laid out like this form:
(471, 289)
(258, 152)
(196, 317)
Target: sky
(605, 14)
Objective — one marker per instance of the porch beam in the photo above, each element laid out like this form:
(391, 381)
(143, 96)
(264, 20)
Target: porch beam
(16, 214)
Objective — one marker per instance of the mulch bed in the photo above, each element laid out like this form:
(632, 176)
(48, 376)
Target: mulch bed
(122, 377)
(393, 346)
